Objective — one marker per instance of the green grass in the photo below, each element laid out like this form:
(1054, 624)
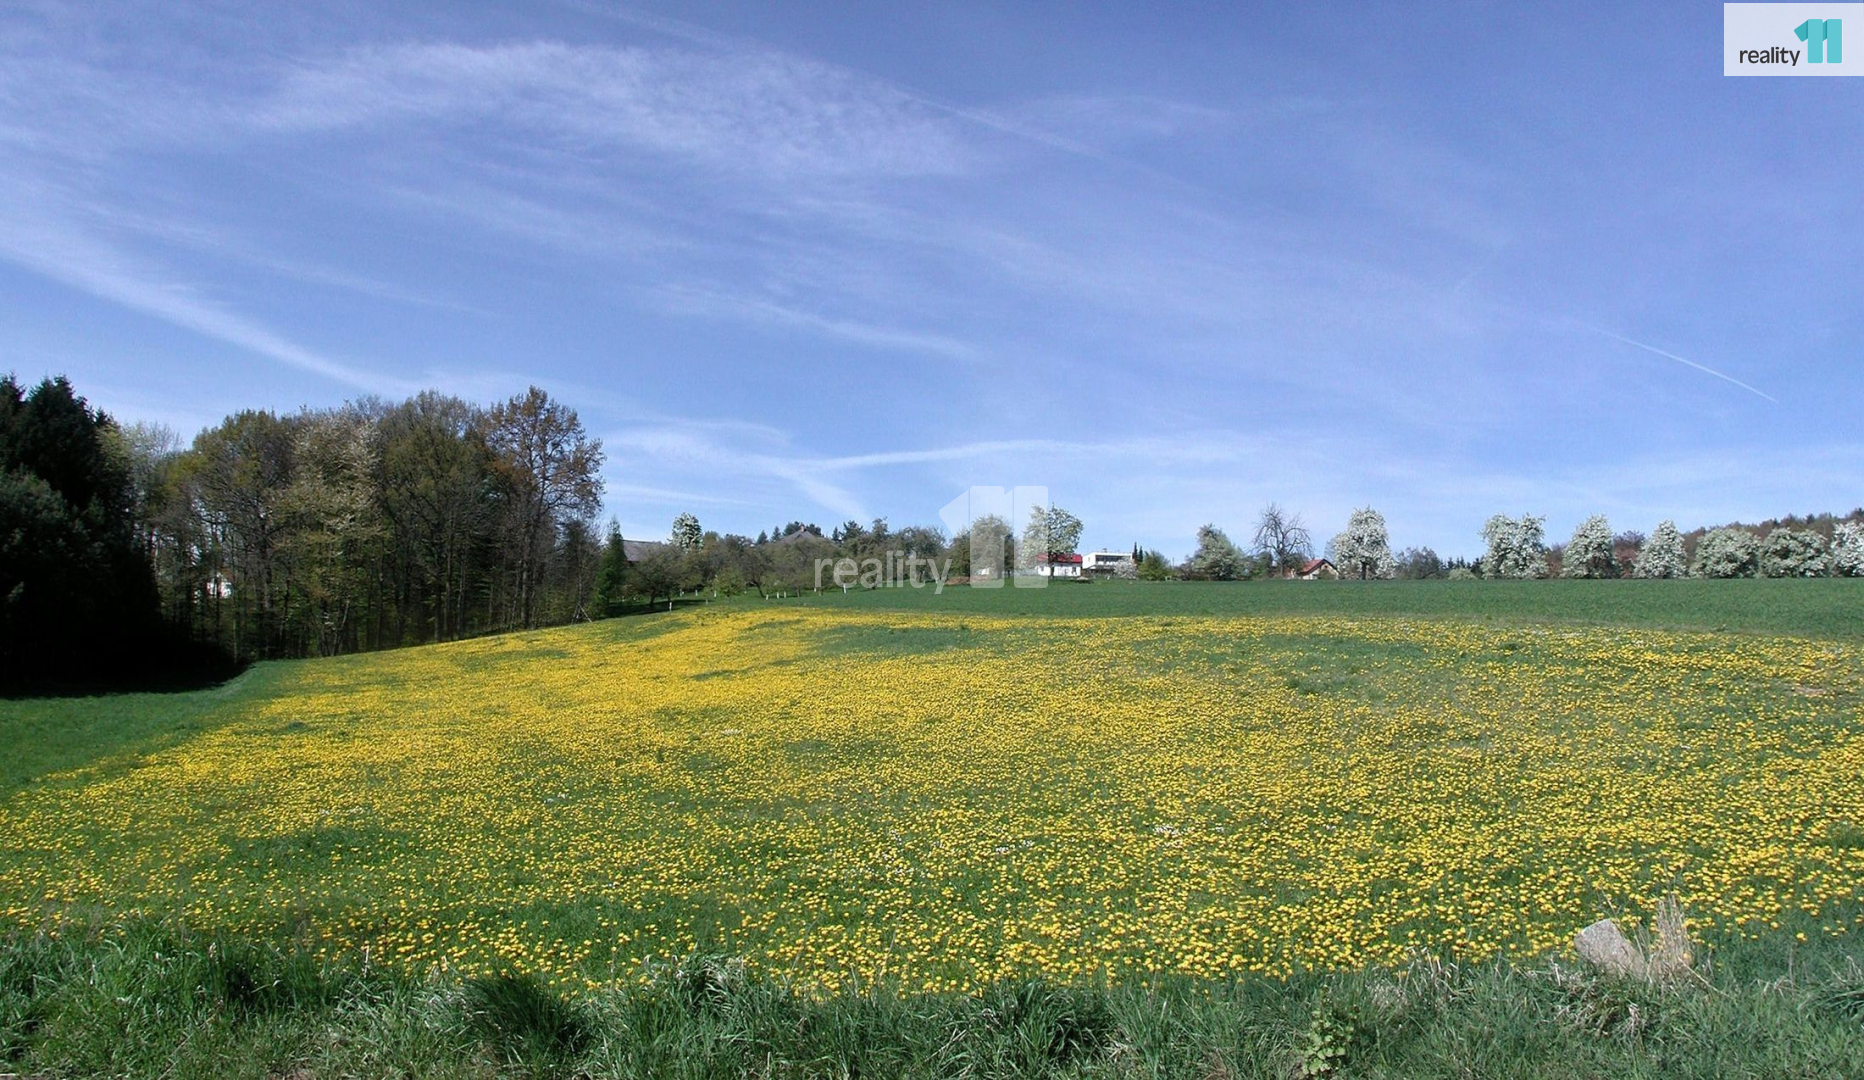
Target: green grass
(1831, 609)
(58, 734)
(161, 999)
(146, 1000)
(45, 735)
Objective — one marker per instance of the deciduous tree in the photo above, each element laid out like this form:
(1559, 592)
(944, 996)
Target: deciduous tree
(1848, 549)
(440, 495)
(1662, 554)
(1216, 557)
(1051, 532)
(1794, 553)
(552, 474)
(1589, 553)
(1363, 549)
(1416, 564)
(332, 523)
(1282, 539)
(1516, 547)
(1727, 553)
(686, 534)
(987, 550)
(246, 465)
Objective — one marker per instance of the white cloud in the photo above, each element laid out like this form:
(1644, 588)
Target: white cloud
(690, 301)
(1326, 324)
(764, 113)
(39, 234)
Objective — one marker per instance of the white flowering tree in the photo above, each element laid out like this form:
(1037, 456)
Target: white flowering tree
(1848, 549)
(1727, 553)
(1517, 547)
(1050, 533)
(1363, 550)
(1662, 556)
(1589, 552)
(687, 535)
(1793, 553)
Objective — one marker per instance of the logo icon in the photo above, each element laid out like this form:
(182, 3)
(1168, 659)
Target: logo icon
(987, 516)
(1824, 38)
(1798, 38)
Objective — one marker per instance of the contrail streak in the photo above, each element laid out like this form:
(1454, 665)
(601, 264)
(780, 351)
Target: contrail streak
(1685, 360)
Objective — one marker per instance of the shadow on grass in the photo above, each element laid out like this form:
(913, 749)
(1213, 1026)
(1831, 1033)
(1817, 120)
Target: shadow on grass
(657, 607)
(147, 999)
(527, 1022)
(55, 734)
(163, 667)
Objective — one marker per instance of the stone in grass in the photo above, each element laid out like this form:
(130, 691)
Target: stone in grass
(1606, 947)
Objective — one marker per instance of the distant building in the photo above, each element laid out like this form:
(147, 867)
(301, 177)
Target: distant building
(1316, 570)
(1107, 563)
(636, 550)
(1063, 566)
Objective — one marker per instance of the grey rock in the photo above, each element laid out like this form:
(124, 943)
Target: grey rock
(1605, 947)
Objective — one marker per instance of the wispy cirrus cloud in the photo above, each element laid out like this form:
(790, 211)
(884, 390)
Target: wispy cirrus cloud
(559, 119)
(764, 114)
(694, 452)
(692, 301)
(652, 219)
(42, 234)
(1160, 489)
(770, 164)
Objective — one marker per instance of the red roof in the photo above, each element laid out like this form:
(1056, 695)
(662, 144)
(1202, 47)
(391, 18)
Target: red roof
(1314, 564)
(1067, 560)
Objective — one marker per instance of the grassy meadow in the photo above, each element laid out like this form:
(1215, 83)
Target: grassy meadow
(1825, 608)
(1280, 796)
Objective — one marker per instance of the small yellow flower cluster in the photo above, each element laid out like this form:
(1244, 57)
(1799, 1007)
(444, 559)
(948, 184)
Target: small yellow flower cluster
(945, 800)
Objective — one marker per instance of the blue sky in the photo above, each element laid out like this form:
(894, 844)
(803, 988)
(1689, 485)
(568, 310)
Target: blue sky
(840, 261)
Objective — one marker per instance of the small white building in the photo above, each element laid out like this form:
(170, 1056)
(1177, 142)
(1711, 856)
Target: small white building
(1107, 562)
(1063, 566)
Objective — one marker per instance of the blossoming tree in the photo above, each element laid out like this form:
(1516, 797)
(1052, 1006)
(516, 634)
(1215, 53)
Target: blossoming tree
(1517, 547)
(1589, 552)
(1662, 556)
(1363, 550)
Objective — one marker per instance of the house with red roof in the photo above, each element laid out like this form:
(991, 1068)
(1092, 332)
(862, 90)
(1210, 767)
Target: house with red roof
(1062, 566)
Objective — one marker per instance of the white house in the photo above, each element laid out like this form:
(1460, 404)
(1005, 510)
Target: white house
(1107, 562)
(1065, 566)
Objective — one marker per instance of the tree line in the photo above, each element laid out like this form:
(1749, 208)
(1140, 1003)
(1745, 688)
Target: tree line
(1814, 546)
(377, 524)
(366, 526)
(371, 525)
(79, 605)
(1283, 546)
(1821, 545)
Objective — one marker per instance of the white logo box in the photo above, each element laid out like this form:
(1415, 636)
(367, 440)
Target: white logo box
(1761, 39)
